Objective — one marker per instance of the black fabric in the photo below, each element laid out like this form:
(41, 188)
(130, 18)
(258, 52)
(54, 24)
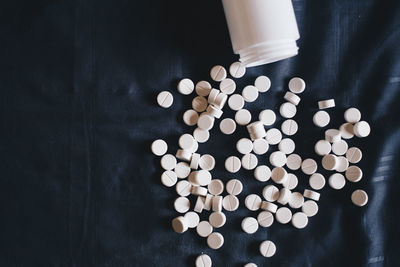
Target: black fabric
(79, 79)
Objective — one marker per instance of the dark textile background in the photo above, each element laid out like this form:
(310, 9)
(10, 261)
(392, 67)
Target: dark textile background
(78, 83)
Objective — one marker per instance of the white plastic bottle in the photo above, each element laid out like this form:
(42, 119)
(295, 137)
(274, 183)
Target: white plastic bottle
(262, 31)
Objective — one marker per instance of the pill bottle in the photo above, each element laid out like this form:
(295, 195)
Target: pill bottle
(262, 31)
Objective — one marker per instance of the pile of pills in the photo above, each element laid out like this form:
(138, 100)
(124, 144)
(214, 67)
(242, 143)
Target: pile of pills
(190, 173)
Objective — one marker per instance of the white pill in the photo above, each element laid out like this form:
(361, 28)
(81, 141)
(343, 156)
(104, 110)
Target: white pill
(346, 130)
(287, 146)
(352, 115)
(267, 249)
(230, 203)
(340, 147)
(260, 146)
(236, 102)
(201, 135)
(194, 162)
(250, 93)
(237, 69)
(227, 126)
(243, 117)
(270, 193)
(199, 191)
(168, 162)
(279, 175)
(187, 142)
(337, 181)
(183, 188)
(287, 110)
(169, 178)
(179, 224)
(296, 200)
(250, 265)
(218, 73)
(214, 112)
(317, 181)
(310, 208)
(252, 202)
(283, 215)
(292, 98)
(293, 162)
(249, 225)
(220, 100)
(207, 162)
(185, 155)
(244, 146)
(185, 86)
(291, 181)
(359, 198)
(203, 88)
(182, 204)
(265, 219)
(227, 86)
(362, 129)
(190, 117)
(203, 261)
(159, 147)
(332, 135)
(354, 155)
(208, 202)
(262, 173)
(330, 162)
(330, 103)
(199, 103)
(322, 147)
(215, 240)
(277, 159)
(285, 196)
(234, 187)
(217, 203)
(204, 229)
(233, 164)
(299, 220)
(343, 164)
(202, 177)
(321, 118)
(217, 219)
(309, 166)
(354, 174)
(311, 194)
(268, 206)
(192, 219)
(256, 130)
(213, 95)
(262, 83)
(165, 99)
(182, 170)
(274, 136)
(267, 117)
(249, 161)
(205, 122)
(289, 127)
(216, 187)
(297, 85)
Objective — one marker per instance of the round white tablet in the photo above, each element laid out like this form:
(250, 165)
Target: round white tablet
(262, 173)
(267, 249)
(165, 99)
(216, 187)
(217, 203)
(354, 174)
(207, 162)
(199, 191)
(290, 182)
(217, 219)
(346, 130)
(250, 265)
(297, 85)
(220, 100)
(192, 219)
(293, 162)
(352, 115)
(268, 206)
(285, 196)
(317, 181)
(332, 135)
(337, 181)
(244, 146)
(287, 146)
(311, 194)
(182, 170)
(227, 86)
(260, 146)
(274, 136)
(267, 117)
(309, 166)
(184, 154)
(234, 187)
(199, 103)
(343, 164)
(169, 178)
(277, 159)
(237, 69)
(287, 110)
(354, 155)
(283, 215)
(292, 98)
(289, 127)
(236, 102)
(359, 198)
(322, 147)
(340, 147)
(249, 161)
(203, 88)
(203, 261)
(262, 83)
(159, 147)
(270, 193)
(212, 97)
(321, 118)
(204, 228)
(330, 162)
(208, 201)
(202, 177)
(243, 117)
(168, 162)
(310, 208)
(201, 135)
(218, 73)
(230, 203)
(205, 122)
(190, 117)
(249, 225)
(214, 111)
(185, 86)
(227, 126)
(183, 188)
(329, 103)
(362, 129)
(299, 220)
(199, 205)
(187, 142)
(179, 224)
(182, 204)
(250, 93)
(232, 164)
(253, 202)
(279, 175)
(265, 219)
(296, 200)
